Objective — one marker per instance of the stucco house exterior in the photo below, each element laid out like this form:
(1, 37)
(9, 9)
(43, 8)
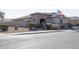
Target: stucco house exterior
(49, 17)
(73, 20)
(54, 18)
(20, 22)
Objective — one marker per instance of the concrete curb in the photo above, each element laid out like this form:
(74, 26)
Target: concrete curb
(36, 32)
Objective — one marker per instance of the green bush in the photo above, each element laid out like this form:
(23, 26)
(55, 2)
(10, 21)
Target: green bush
(4, 27)
(32, 25)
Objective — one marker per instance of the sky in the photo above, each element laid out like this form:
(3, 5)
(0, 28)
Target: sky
(15, 13)
(25, 7)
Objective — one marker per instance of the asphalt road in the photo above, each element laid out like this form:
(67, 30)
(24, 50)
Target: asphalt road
(55, 40)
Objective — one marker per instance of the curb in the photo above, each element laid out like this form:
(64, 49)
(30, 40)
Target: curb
(36, 32)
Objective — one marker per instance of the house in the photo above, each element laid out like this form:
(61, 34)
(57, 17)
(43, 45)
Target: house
(48, 17)
(36, 17)
(5, 21)
(54, 18)
(21, 22)
(73, 20)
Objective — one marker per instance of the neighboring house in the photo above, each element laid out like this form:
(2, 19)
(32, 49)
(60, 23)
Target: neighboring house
(21, 22)
(5, 21)
(72, 20)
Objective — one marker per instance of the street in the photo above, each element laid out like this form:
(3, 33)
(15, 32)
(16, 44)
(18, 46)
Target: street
(66, 39)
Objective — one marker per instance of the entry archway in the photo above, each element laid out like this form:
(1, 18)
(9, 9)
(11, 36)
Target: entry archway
(42, 20)
(43, 23)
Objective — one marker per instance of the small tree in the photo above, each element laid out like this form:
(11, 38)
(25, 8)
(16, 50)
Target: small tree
(32, 25)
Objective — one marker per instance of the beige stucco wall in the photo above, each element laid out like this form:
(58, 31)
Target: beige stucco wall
(36, 18)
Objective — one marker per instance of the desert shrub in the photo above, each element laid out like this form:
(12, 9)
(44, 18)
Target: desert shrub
(4, 27)
(56, 26)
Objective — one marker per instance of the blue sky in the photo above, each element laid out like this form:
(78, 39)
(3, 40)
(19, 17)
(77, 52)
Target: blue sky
(15, 13)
